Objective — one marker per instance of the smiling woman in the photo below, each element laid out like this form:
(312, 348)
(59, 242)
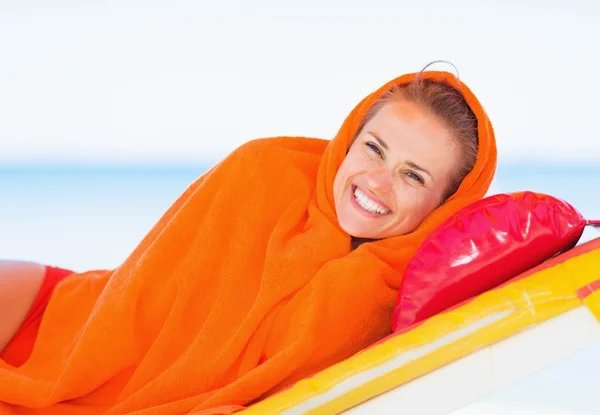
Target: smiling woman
(410, 153)
(249, 281)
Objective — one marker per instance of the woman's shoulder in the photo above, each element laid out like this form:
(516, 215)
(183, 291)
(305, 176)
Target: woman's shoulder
(278, 161)
(282, 145)
(281, 155)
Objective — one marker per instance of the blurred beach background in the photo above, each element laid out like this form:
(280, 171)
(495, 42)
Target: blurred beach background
(109, 110)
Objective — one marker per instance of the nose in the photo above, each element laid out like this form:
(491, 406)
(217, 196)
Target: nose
(380, 179)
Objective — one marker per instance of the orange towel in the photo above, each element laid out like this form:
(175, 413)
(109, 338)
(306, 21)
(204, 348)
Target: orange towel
(245, 285)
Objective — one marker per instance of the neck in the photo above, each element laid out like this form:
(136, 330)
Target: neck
(356, 242)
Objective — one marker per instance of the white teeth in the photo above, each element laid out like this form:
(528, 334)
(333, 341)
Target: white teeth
(368, 204)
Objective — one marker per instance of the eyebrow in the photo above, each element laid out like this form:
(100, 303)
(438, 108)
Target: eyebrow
(379, 140)
(408, 162)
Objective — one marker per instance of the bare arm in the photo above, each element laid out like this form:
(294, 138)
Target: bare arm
(20, 282)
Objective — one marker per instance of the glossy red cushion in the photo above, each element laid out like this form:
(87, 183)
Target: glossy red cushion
(481, 247)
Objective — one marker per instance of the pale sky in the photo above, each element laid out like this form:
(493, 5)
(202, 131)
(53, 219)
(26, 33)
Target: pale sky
(190, 80)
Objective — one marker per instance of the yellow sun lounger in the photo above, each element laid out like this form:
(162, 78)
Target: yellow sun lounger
(462, 354)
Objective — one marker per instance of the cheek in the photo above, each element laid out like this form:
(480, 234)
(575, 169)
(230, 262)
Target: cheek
(339, 183)
(414, 203)
(344, 173)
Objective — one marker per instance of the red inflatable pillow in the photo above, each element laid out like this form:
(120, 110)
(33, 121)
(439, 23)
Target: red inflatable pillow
(483, 246)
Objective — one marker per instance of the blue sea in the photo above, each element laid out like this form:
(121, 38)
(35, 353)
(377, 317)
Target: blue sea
(85, 217)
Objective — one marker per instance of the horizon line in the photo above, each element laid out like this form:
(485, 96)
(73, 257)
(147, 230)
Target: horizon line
(166, 166)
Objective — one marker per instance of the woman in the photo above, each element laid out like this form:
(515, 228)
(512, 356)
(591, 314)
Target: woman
(281, 260)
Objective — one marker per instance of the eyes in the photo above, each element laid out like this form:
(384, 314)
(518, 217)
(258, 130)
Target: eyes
(374, 149)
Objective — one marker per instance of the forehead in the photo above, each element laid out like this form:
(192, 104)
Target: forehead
(414, 134)
(401, 122)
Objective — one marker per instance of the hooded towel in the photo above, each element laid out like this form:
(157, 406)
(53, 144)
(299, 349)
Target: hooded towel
(244, 286)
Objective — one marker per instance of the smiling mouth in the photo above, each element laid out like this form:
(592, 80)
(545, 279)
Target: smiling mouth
(367, 204)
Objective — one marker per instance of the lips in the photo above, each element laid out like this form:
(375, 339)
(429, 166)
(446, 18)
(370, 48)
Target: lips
(371, 196)
(366, 207)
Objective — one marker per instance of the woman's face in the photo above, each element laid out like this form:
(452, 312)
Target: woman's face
(395, 172)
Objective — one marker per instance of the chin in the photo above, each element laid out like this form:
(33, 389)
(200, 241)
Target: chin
(362, 233)
(357, 232)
